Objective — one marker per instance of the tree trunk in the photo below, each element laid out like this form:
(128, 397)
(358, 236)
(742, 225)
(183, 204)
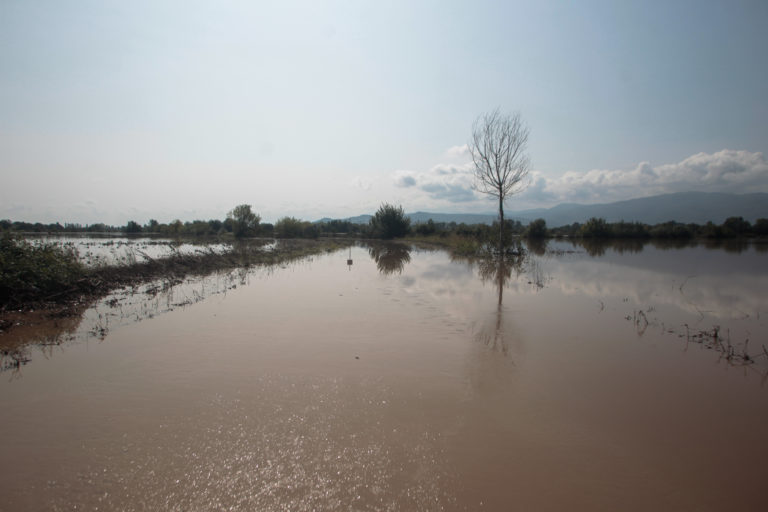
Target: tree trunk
(501, 225)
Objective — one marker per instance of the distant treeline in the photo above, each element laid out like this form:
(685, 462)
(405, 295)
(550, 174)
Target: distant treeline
(242, 222)
(598, 228)
(287, 227)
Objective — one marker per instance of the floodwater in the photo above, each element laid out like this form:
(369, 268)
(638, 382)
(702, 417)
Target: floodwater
(586, 379)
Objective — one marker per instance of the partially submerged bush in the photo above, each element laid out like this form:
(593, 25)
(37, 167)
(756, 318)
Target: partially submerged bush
(390, 222)
(35, 270)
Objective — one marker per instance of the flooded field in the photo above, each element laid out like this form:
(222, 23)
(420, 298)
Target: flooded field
(115, 250)
(588, 378)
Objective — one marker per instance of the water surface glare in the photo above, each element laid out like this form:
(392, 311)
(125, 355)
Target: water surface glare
(407, 381)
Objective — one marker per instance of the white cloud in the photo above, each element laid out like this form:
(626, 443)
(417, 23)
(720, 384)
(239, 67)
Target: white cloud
(724, 171)
(457, 151)
(404, 179)
(450, 183)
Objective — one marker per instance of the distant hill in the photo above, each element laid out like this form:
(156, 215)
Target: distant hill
(696, 207)
(458, 218)
(360, 219)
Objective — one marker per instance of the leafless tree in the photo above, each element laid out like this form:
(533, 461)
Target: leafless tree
(498, 149)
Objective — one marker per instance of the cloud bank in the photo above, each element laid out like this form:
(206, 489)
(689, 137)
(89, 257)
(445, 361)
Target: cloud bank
(725, 171)
(443, 182)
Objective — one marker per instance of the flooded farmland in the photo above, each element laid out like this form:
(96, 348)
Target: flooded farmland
(585, 378)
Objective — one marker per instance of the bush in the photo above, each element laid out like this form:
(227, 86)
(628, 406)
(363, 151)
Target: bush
(390, 222)
(537, 229)
(711, 230)
(132, 227)
(761, 227)
(426, 228)
(737, 226)
(671, 230)
(629, 230)
(289, 227)
(310, 230)
(35, 271)
(595, 228)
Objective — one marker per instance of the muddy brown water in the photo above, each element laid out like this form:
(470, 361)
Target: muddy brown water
(401, 383)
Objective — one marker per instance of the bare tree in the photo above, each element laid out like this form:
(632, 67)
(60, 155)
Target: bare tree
(498, 149)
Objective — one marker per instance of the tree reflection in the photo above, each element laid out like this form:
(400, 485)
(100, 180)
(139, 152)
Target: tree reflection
(390, 258)
(596, 247)
(733, 245)
(498, 270)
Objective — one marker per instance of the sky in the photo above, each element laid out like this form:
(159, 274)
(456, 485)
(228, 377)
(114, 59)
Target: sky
(113, 111)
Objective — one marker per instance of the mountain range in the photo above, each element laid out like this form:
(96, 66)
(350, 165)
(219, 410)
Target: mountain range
(686, 207)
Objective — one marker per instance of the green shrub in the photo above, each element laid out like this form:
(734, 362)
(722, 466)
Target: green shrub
(595, 228)
(390, 222)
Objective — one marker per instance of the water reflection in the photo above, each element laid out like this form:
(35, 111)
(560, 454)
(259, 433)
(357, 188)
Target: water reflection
(390, 258)
(734, 245)
(537, 246)
(43, 331)
(653, 283)
(696, 279)
(599, 247)
(497, 270)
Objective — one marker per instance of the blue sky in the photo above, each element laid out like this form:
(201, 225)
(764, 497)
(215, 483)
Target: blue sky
(111, 111)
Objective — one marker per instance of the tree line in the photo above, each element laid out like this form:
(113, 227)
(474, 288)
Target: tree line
(732, 227)
(240, 222)
(391, 222)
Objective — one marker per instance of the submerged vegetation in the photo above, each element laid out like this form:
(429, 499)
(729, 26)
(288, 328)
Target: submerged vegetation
(39, 275)
(31, 271)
